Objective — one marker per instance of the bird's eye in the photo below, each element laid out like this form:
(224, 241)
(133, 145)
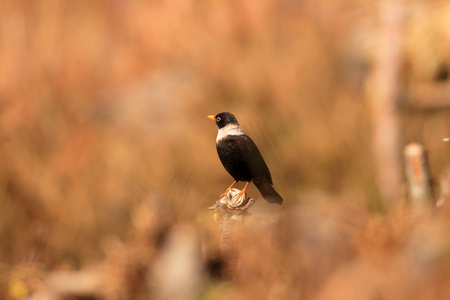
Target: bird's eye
(218, 119)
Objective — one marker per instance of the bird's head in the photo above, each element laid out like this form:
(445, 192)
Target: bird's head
(223, 119)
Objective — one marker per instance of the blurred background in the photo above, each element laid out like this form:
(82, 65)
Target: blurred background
(103, 109)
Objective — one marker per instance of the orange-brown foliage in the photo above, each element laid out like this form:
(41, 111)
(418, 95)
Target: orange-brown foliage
(103, 109)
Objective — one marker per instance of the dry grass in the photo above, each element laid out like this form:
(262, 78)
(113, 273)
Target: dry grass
(102, 112)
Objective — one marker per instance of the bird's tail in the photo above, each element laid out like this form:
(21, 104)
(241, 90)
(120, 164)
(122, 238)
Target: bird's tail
(268, 192)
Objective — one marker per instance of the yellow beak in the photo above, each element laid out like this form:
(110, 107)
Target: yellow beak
(211, 117)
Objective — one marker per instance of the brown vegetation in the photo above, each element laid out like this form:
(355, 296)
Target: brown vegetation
(108, 163)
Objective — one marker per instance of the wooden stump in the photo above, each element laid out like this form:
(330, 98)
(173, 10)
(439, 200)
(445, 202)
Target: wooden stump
(230, 212)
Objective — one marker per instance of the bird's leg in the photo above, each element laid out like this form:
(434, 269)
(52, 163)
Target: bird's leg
(243, 191)
(228, 189)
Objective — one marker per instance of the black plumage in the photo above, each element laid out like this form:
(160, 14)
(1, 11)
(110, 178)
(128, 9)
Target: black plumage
(241, 157)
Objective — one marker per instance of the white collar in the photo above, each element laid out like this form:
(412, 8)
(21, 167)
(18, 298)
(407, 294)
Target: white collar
(230, 129)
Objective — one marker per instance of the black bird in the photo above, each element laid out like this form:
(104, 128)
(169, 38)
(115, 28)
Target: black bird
(241, 158)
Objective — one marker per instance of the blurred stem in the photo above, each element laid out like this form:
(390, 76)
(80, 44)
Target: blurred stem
(383, 89)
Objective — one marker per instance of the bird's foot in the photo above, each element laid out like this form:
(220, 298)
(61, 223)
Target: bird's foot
(228, 189)
(234, 200)
(226, 192)
(239, 195)
(242, 193)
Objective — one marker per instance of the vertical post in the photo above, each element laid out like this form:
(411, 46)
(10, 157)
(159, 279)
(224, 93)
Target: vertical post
(444, 182)
(383, 85)
(418, 176)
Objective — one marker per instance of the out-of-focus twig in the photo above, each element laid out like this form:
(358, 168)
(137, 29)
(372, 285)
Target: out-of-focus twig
(72, 285)
(428, 96)
(418, 176)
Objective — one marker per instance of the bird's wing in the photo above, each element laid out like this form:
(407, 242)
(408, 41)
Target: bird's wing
(254, 160)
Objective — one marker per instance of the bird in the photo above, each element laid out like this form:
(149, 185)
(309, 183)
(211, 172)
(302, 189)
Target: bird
(241, 158)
